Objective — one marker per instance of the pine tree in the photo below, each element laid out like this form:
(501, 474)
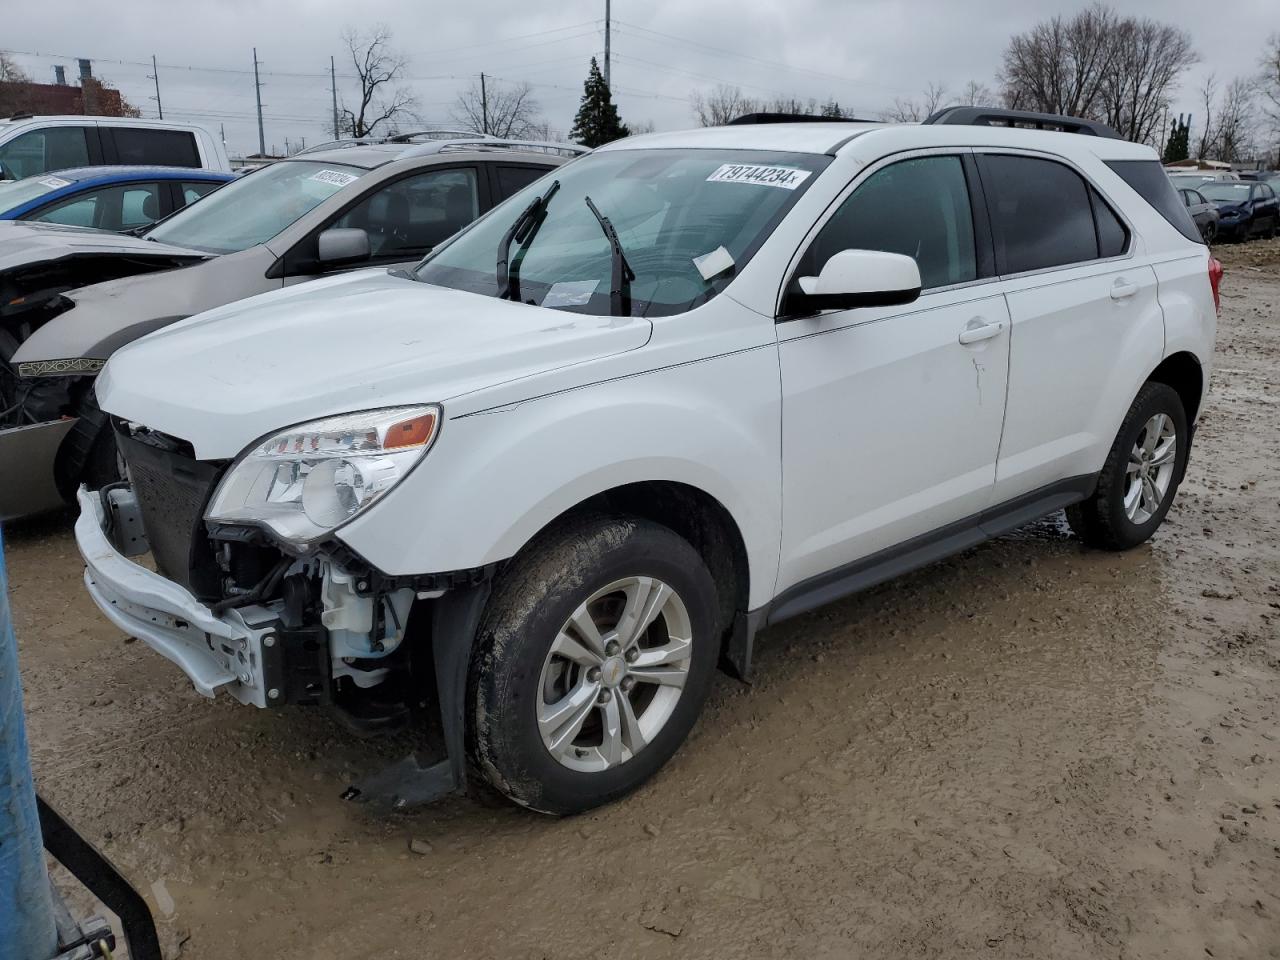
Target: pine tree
(832, 110)
(1178, 147)
(597, 122)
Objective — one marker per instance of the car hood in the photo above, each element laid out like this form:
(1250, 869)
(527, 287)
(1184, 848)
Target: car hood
(23, 243)
(224, 378)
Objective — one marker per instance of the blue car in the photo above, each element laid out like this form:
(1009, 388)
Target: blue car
(109, 198)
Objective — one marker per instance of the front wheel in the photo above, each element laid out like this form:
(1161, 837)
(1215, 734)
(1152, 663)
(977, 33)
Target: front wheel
(1141, 473)
(592, 662)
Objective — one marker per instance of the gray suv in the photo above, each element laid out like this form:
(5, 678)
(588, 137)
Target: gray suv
(69, 297)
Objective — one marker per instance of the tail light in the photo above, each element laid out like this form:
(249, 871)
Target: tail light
(1215, 281)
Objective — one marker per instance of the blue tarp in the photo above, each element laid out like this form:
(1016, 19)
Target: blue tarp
(26, 908)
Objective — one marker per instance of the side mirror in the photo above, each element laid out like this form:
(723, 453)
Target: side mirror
(857, 278)
(342, 245)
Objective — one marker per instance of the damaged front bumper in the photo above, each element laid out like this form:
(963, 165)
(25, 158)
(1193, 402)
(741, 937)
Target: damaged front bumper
(227, 652)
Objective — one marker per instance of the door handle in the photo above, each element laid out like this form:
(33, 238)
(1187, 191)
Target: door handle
(1123, 289)
(978, 330)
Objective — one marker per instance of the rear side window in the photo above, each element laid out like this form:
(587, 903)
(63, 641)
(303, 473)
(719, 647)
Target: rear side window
(1113, 235)
(1150, 181)
(1041, 213)
(514, 179)
(169, 148)
(919, 208)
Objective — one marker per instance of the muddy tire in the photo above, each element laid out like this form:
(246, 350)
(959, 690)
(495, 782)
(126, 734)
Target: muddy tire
(1140, 476)
(592, 661)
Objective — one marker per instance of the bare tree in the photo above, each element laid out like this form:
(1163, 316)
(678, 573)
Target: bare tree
(14, 86)
(1146, 61)
(505, 110)
(1269, 80)
(975, 93)
(913, 111)
(1060, 65)
(10, 72)
(721, 105)
(1230, 125)
(377, 67)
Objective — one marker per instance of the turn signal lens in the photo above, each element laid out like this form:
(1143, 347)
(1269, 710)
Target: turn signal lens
(410, 433)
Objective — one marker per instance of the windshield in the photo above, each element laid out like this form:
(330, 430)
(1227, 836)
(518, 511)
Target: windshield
(254, 209)
(1229, 192)
(685, 221)
(14, 193)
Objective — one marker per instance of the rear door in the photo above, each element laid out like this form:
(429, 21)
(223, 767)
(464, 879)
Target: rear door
(1085, 319)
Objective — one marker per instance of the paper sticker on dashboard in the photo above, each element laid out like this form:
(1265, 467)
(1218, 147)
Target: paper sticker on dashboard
(335, 177)
(570, 293)
(788, 178)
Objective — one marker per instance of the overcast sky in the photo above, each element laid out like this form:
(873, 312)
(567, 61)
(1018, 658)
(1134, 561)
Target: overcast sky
(862, 52)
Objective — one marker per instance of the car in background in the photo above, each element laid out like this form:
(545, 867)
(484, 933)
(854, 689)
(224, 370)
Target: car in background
(34, 145)
(1266, 176)
(1195, 178)
(118, 199)
(69, 297)
(1245, 208)
(1204, 213)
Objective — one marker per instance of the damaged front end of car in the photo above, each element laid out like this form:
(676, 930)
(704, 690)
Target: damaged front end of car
(273, 622)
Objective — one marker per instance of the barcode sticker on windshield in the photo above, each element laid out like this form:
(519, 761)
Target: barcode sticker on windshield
(55, 182)
(335, 177)
(570, 293)
(788, 178)
(714, 263)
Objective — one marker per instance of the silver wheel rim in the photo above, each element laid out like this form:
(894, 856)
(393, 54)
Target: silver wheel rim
(1150, 469)
(614, 674)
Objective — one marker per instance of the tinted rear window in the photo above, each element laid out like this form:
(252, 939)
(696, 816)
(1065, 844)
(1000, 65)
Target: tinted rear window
(170, 148)
(1041, 214)
(1150, 181)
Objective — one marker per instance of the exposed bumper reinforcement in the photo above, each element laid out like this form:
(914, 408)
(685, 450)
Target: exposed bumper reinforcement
(214, 652)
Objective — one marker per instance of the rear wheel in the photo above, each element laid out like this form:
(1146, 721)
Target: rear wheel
(1210, 232)
(1140, 476)
(592, 662)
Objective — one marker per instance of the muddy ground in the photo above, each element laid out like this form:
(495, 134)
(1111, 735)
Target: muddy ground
(1032, 750)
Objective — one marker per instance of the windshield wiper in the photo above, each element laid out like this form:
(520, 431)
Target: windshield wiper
(509, 281)
(622, 274)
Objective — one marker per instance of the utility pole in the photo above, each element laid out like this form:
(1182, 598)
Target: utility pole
(484, 106)
(607, 19)
(155, 75)
(257, 92)
(333, 85)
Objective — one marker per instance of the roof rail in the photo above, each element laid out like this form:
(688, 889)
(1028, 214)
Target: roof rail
(482, 143)
(993, 117)
(790, 118)
(22, 115)
(407, 137)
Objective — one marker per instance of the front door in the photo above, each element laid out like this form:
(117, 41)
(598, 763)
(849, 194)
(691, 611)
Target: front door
(892, 416)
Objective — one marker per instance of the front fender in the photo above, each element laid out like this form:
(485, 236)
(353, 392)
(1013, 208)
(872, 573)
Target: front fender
(493, 480)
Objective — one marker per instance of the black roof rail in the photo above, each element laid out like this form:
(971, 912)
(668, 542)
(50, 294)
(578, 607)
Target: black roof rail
(22, 115)
(995, 117)
(790, 118)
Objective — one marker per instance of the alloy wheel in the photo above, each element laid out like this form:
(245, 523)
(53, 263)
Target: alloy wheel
(614, 674)
(1150, 469)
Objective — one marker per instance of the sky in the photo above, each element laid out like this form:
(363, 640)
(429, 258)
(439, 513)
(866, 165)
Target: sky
(864, 53)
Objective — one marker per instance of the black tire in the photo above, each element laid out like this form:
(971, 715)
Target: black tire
(1210, 232)
(533, 599)
(88, 453)
(1101, 520)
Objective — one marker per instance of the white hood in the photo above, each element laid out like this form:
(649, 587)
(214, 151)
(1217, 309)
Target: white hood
(224, 378)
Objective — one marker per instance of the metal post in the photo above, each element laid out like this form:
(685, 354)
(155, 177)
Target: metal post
(155, 75)
(333, 85)
(257, 92)
(26, 900)
(607, 24)
(484, 106)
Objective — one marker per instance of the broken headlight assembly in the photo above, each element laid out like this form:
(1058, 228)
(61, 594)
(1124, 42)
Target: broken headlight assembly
(308, 480)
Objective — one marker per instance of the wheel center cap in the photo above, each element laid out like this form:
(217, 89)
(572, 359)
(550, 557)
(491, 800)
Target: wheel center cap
(612, 671)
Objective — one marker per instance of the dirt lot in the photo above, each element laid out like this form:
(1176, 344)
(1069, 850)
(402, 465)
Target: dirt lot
(1032, 750)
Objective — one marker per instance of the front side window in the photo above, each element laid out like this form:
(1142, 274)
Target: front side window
(54, 148)
(687, 220)
(917, 207)
(1041, 214)
(18, 193)
(109, 208)
(408, 217)
(255, 208)
(195, 189)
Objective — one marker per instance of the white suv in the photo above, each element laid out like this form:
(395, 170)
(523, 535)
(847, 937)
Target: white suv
(681, 388)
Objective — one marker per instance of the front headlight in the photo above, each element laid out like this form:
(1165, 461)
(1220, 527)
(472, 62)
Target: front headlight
(310, 479)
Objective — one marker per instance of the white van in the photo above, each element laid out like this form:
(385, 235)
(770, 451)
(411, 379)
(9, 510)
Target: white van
(34, 145)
